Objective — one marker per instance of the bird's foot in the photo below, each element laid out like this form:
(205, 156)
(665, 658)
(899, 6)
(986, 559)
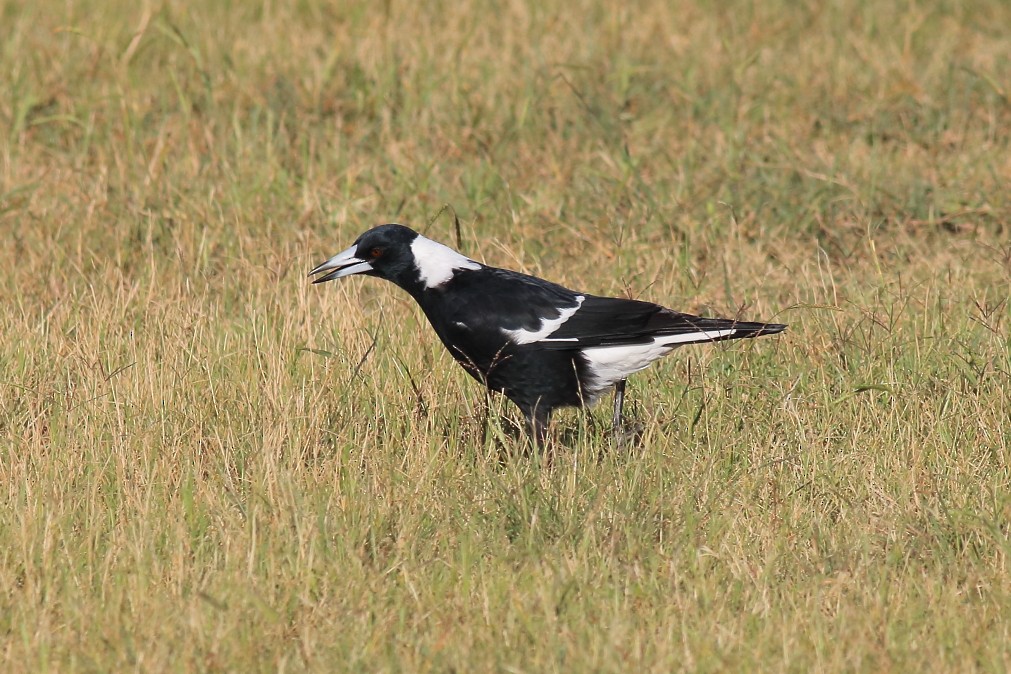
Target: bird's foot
(627, 435)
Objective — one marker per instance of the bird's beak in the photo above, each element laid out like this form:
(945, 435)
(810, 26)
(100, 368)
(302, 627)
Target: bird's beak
(341, 264)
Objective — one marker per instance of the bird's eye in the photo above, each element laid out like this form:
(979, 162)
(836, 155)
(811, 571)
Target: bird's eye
(375, 252)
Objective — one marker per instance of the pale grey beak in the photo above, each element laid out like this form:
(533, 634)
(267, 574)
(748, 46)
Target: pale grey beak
(341, 264)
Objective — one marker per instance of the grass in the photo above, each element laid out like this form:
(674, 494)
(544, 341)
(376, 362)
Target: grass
(211, 465)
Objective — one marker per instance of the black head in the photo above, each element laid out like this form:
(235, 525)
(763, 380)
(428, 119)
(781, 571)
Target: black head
(398, 254)
(383, 251)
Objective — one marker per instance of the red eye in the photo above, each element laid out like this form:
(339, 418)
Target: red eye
(375, 252)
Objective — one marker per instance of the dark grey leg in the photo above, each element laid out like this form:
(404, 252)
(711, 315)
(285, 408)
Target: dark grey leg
(619, 402)
(538, 419)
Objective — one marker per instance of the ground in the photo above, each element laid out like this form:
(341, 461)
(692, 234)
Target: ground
(212, 465)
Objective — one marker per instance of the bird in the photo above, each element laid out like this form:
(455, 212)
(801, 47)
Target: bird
(538, 343)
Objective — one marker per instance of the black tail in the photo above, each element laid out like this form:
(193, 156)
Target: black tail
(699, 329)
(747, 330)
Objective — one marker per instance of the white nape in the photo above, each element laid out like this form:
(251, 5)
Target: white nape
(436, 263)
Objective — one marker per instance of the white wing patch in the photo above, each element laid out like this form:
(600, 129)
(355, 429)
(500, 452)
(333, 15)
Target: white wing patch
(436, 263)
(548, 326)
(609, 364)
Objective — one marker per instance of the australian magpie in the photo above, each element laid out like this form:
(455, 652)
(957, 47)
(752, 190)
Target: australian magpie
(541, 345)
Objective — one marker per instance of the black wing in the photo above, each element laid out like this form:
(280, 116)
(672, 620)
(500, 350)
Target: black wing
(500, 299)
(607, 321)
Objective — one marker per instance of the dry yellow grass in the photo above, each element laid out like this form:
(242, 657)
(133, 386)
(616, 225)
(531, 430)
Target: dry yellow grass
(211, 465)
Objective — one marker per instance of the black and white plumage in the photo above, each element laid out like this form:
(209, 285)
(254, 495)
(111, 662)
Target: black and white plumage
(541, 345)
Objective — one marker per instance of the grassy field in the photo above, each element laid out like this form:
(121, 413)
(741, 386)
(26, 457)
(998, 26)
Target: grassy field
(208, 464)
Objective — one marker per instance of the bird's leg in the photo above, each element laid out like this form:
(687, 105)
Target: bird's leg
(619, 401)
(538, 419)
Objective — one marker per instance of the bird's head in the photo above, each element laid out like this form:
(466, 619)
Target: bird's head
(398, 254)
(383, 251)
